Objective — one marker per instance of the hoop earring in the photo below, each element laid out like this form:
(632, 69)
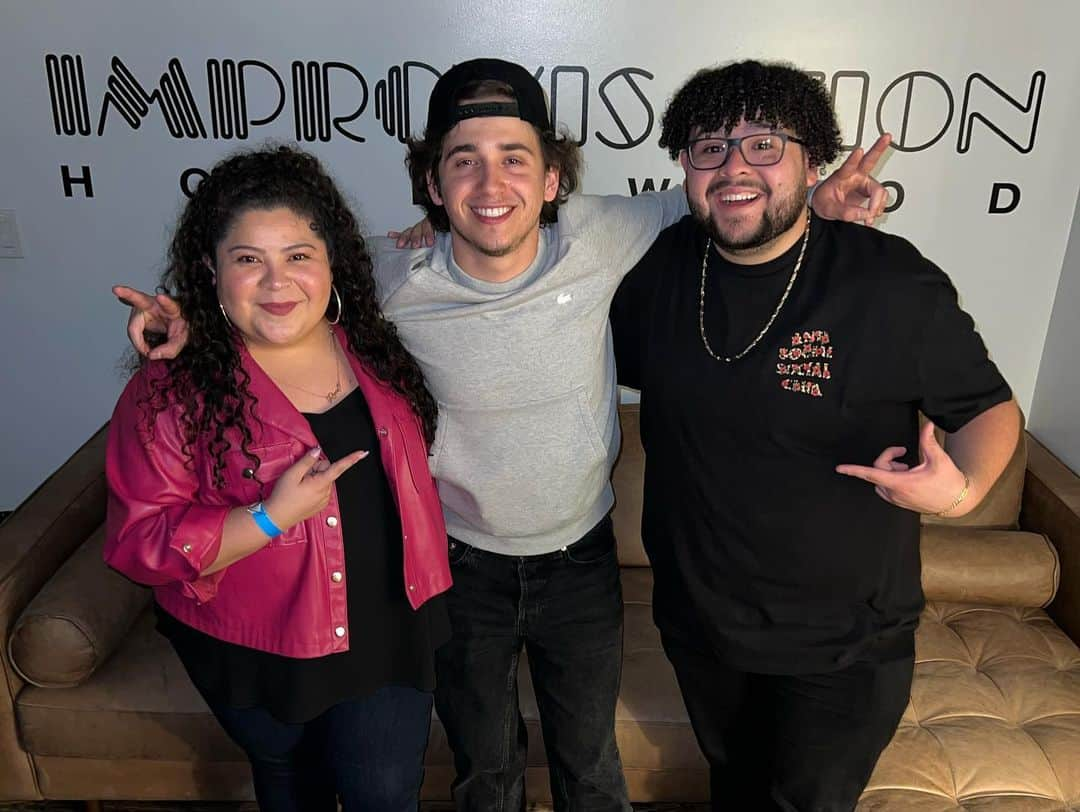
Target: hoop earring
(225, 315)
(337, 296)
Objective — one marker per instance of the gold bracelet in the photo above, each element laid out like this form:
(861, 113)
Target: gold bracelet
(959, 498)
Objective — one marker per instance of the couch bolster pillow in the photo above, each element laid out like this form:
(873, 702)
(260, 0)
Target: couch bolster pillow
(76, 621)
(998, 567)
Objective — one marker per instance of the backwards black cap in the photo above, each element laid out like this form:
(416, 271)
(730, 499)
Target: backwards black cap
(444, 111)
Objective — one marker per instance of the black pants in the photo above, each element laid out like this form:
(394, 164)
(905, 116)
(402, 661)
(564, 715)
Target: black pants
(805, 742)
(565, 609)
(369, 753)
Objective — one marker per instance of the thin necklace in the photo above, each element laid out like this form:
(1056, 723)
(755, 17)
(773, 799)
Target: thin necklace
(333, 393)
(701, 305)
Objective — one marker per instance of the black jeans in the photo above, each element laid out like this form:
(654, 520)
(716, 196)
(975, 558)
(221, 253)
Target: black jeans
(804, 743)
(565, 610)
(369, 752)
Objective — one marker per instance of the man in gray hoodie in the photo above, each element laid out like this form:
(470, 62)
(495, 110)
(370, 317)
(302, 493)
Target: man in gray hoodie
(507, 315)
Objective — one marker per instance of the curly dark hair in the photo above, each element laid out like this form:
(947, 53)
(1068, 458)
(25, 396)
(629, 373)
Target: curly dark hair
(560, 152)
(207, 380)
(715, 99)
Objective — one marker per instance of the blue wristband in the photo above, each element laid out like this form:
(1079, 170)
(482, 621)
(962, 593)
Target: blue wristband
(266, 524)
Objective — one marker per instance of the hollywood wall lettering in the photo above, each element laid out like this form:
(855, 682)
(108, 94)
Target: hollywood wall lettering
(324, 100)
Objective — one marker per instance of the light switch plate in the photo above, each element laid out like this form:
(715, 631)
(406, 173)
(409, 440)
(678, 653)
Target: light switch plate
(10, 245)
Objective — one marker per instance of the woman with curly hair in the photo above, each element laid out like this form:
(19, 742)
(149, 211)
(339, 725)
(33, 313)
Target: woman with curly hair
(271, 483)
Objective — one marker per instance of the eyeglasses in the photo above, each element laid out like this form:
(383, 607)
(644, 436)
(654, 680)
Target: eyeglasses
(765, 149)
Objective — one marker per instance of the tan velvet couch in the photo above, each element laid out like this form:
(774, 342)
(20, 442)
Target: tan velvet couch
(993, 723)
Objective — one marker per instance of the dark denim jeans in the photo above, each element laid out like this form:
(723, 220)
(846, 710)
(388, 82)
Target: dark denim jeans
(790, 743)
(565, 610)
(369, 752)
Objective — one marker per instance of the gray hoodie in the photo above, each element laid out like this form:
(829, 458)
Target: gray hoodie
(524, 372)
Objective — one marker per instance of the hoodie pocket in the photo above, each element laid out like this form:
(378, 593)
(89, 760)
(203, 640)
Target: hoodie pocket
(520, 470)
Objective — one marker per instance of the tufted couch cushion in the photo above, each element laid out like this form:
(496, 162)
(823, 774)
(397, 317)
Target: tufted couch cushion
(994, 717)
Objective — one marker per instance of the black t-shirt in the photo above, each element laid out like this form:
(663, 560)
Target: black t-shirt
(759, 548)
(390, 644)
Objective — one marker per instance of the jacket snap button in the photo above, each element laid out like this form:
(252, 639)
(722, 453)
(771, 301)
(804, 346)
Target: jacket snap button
(335, 577)
(248, 473)
(382, 431)
(411, 587)
(340, 631)
(331, 521)
(186, 548)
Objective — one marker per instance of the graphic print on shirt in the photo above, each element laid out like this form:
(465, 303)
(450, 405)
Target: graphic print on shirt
(804, 365)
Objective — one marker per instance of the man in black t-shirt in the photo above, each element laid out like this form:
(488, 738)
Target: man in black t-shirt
(782, 362)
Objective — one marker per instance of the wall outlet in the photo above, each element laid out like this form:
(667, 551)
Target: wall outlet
(10, 245)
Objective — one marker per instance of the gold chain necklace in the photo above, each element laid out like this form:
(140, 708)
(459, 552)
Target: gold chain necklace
(333, 393)
(701, 306)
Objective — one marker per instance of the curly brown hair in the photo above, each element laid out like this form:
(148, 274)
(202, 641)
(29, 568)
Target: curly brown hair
(560, 152)
(715, 99)
(206, 379)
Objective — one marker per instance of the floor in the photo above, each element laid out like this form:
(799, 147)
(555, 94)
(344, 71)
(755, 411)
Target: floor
(117, 806)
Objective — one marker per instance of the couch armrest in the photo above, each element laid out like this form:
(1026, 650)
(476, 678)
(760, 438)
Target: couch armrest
(34, 541)
(1051, 505)
(997, 567)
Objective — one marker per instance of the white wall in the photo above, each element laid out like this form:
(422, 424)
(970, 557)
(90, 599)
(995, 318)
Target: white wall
(61, 333)
(1055, 411)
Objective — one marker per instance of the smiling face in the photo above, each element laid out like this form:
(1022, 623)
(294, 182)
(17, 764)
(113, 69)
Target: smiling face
(752, 213)
(273, 277)
(493, 182)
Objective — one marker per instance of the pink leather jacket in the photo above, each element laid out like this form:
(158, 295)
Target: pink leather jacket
(165, 519)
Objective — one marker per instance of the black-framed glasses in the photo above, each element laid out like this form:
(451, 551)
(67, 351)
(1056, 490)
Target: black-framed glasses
(758, 149)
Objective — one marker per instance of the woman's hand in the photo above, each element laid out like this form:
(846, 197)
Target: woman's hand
(304, 489)
(419, 235)
(158, 314)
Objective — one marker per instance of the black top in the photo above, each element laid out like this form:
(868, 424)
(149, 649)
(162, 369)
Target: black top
(758, 546)
(389, 642)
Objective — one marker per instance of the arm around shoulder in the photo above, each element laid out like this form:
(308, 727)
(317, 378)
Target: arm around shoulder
(661, 209)
(621, 228)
